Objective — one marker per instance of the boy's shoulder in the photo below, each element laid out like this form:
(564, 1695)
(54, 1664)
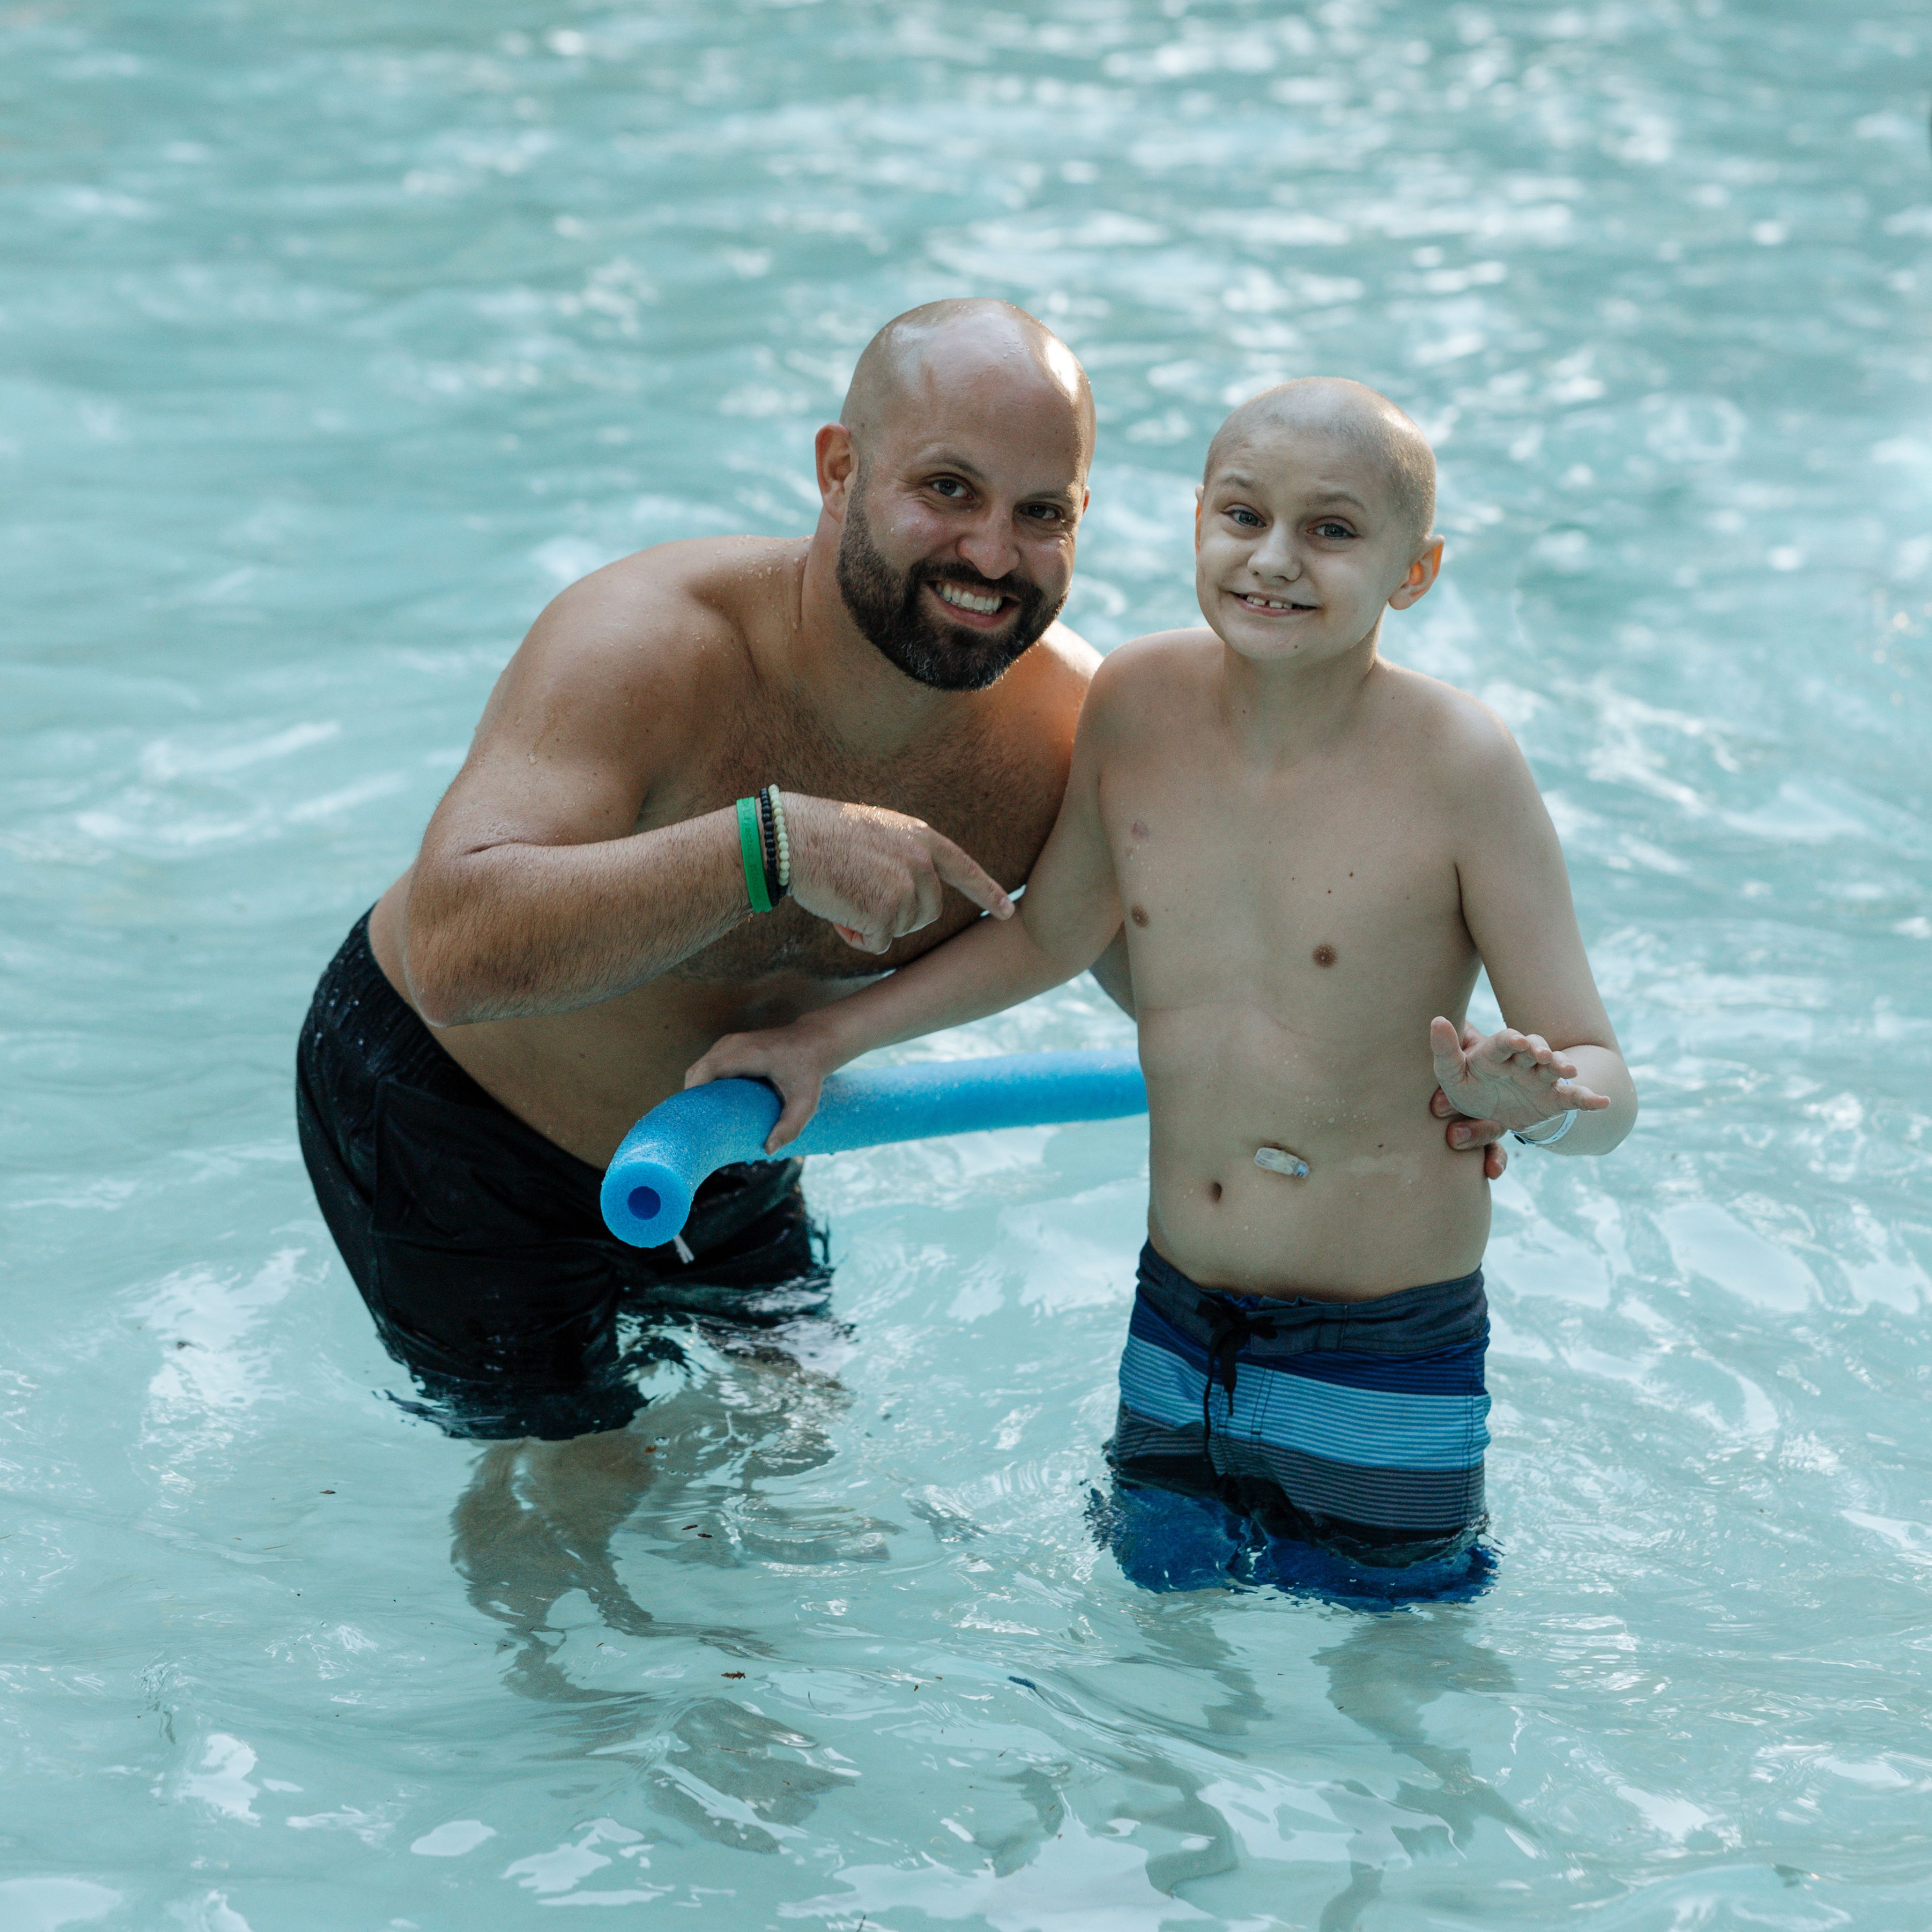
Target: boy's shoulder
(1454, 735)
(1157, 668)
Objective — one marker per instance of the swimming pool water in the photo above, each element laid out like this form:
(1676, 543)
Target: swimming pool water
(333, 339)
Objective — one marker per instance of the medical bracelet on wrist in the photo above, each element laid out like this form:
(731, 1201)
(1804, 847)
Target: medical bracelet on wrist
(1547, 1140)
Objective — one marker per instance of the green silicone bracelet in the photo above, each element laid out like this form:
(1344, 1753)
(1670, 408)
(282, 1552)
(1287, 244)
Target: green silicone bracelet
(751, 848)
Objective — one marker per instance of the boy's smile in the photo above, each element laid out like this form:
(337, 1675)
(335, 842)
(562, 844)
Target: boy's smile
(1255, 601)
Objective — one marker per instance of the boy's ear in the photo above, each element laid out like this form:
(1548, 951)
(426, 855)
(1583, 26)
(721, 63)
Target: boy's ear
(1200, 495)
(1422, 573)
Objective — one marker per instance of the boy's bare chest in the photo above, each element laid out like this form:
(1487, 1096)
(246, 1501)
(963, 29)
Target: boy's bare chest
(1312, 897)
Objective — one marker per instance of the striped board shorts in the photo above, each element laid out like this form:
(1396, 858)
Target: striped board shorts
(1361, 1425)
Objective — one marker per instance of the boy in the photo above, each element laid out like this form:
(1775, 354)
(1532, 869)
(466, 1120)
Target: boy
(1311, 852)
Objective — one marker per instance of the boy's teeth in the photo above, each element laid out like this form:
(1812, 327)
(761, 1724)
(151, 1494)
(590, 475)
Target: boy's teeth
(965, 600)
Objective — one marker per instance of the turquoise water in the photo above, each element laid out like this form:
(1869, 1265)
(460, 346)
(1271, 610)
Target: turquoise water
(333, 339)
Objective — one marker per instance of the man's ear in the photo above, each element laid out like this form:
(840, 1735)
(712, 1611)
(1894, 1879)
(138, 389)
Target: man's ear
(836, 462)
(1422, 573)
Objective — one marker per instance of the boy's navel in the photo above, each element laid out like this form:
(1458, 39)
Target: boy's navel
(1325, 954)
(1137, 914)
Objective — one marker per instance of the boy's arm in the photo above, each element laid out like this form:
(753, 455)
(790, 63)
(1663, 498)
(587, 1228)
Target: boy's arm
(1557, 1053)
(1070, 911)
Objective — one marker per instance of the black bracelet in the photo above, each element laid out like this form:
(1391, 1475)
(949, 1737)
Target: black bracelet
(768, 845)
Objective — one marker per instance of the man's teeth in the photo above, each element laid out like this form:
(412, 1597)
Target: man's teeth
(962, 599)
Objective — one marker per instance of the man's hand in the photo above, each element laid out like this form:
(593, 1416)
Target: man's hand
(791, 1058)
(1508, 1079)
(1468, 1136)
(875, 875)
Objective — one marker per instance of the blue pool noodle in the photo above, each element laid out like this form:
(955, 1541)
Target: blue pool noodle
(666, 1157)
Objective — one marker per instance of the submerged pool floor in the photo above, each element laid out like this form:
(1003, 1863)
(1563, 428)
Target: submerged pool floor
(336, 339)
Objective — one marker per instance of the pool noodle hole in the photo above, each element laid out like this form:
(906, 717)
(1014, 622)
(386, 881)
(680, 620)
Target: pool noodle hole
(646, 1203)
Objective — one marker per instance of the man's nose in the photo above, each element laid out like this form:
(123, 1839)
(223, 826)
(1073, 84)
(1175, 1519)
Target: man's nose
(989, 544)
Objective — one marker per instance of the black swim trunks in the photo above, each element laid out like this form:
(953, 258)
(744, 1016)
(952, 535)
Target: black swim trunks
(479, 1246)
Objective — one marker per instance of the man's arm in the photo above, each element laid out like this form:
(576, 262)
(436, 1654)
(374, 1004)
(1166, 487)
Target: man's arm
(1558, 1053)
(535, 893)
(1070, 912)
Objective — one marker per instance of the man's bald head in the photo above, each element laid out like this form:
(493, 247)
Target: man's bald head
(947, 345)
(1367, 422)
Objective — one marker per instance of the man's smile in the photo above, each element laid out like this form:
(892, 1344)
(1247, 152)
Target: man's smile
(982, 609)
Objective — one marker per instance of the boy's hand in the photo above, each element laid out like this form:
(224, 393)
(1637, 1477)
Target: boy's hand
(1513, 1078)
(784, 1056)
(1468, 1136)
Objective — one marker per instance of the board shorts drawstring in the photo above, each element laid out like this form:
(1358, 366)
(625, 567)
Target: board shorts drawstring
(1231, 1329)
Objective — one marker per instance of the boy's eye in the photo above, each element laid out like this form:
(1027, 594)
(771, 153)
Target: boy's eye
(1333, 530)
(1247, 519)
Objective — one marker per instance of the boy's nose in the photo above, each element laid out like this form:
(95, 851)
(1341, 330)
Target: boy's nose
(1275, 556)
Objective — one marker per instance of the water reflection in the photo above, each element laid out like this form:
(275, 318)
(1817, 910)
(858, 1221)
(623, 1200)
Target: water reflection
(1383, 1675)
(538, 1519)
(691, 1482)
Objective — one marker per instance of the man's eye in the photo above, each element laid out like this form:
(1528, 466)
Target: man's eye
(948, 486)
(1042, 513)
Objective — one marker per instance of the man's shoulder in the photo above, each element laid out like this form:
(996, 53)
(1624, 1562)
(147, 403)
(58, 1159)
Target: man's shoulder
(1049, 684)
(1060, 661)
(692, 601)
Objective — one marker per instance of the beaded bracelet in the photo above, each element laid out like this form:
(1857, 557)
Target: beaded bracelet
(768, 848)
(785, 839)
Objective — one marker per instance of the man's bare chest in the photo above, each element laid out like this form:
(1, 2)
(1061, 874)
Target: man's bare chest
(996, 800)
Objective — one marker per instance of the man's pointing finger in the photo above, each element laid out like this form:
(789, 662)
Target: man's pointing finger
(965, 876)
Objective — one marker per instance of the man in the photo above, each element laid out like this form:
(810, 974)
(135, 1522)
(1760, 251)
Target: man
(577, 928)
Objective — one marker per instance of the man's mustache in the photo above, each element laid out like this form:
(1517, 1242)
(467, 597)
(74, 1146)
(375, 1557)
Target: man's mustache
(1021, 588)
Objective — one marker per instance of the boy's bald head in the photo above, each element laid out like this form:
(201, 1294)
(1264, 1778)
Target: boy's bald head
(974, 340)
(1368, 422)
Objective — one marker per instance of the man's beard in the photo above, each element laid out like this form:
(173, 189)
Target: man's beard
(891, 612)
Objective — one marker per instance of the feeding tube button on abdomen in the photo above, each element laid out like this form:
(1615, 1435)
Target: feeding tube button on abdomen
(1279, 1160)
